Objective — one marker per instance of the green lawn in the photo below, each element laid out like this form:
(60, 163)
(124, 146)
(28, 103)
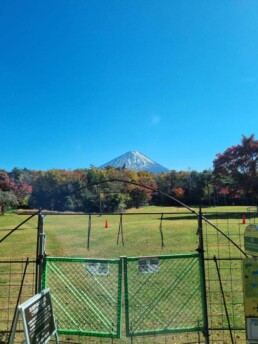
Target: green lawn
(67, 236)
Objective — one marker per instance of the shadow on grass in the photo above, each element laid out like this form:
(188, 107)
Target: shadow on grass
(212, 216)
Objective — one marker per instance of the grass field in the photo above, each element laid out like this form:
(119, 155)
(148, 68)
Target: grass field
(67, 235)
(143, 235)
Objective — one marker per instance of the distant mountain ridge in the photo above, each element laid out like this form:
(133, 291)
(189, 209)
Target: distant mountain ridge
(135, 161)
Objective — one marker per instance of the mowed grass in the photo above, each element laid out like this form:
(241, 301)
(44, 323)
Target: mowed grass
(68, 235)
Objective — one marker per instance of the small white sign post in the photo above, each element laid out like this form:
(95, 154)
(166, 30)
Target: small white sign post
(38, 319)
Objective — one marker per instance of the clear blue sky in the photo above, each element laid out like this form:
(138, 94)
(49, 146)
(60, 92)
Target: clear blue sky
(84, 81)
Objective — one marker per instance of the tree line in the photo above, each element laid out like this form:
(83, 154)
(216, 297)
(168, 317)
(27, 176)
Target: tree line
(233, 180)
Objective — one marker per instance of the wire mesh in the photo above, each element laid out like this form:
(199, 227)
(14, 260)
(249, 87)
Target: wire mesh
(229, 260)
(86, 295)
(11, 274)
(163, 294)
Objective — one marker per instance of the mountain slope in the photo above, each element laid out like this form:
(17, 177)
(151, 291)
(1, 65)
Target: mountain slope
(135, 161)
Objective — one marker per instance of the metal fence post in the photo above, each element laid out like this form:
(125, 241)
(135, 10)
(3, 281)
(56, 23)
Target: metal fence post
(40, 251)
(201, 252)
(127, 325)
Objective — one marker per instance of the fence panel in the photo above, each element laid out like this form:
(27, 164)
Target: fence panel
(224, 318)
(163, 294)
(86, 295)
(11, 276)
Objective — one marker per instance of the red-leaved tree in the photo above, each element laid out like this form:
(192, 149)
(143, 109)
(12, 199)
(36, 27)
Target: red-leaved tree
(237, 170)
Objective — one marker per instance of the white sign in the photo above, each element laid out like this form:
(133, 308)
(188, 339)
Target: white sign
(98, 269)
(148, 265)
(38, 319)
(252, 328)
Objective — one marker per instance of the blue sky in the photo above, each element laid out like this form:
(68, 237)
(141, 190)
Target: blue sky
(84, 81)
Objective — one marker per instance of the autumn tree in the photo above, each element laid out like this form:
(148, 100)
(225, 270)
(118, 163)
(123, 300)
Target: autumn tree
(7, 199)
(236, 171)
(7, 192)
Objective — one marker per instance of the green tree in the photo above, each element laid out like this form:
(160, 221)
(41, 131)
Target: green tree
(208, 187)
(57, 190)
(7, 199)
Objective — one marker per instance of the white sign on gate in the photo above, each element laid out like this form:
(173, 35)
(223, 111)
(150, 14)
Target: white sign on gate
(148, 265)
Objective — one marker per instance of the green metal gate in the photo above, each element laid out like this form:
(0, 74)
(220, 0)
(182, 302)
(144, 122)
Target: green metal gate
(162, 294)
(86, 295)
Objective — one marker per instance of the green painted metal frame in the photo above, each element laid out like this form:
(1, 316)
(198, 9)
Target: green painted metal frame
(75, 331)
(130, 332)
(123, 270)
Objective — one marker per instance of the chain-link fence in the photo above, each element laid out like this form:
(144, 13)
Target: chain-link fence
(86, 295)
(163, 294)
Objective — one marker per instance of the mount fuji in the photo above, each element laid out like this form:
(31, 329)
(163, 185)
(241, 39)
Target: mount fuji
(135, 161)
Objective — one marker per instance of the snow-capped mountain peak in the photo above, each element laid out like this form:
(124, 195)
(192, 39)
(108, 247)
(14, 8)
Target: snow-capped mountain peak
(135, 161)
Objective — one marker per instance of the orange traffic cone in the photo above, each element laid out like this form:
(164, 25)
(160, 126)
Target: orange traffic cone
(106, 224)
(243, 219)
